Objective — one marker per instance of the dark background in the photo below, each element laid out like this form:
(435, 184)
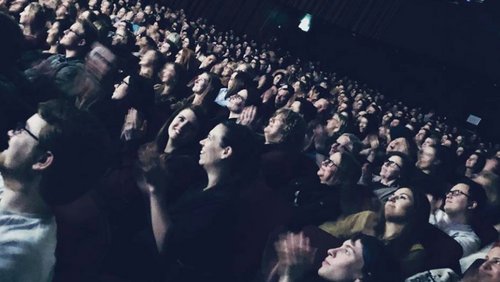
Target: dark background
(438, 54)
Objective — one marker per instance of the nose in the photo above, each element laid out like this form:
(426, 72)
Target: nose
(202, 142)
(10, 133)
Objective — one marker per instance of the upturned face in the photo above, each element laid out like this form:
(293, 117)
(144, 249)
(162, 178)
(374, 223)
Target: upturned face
(344, 263)
(328, 171)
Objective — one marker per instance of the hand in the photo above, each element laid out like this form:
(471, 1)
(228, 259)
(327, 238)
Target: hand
(134, 126)
(247, 116)
(295, 254)
(150, 172)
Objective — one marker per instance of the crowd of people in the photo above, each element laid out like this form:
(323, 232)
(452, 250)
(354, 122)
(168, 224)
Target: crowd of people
(144, 145)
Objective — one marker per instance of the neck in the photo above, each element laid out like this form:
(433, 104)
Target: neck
(71, 53)
(53, 49)
(146, 72)
(198, 99)
(24, 198)
(170, 147)
(27, 30)
(426, 171)
(234, 115)
(392, 230)
(386, 181)
(215, 176)
(459, 218)
(468, 172)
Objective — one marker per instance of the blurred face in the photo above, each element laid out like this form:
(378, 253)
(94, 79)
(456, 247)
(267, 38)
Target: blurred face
(419, 138)
(201, 84)
(120, 37)
(211, 151)
(148, 58)
(273, 132)
(391, 169)
(53, 33)
(277, 79)
(398, 205)
(489, 271)
(342, 144)
(328, 170)
(428, 142)
(426, 158)
(168, 73)
(183, 127)
(333, 123)
(363, 124)
(398, 145)
(321, 105)
(19, 156)
(471, 161)
(457, 199)
(282, 96)
(344, 263)
(237, 101)
(209, 60)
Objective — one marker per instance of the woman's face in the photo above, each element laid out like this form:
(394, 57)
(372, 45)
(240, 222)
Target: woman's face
(211, 151)
(168, 73)
(25, 17)
(183, 127)
(201, 84)
(328, 171)
(426, 158)
(399, 204)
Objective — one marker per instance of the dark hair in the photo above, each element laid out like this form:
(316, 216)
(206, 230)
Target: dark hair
(294, 131)
(481, 161)
(80, 146)
(90, 33)
(349, 169)
(162, 136)
(378, 263)
(243, 163)
(242, 80)
(405, 169)
(11, 49)
(476, 193)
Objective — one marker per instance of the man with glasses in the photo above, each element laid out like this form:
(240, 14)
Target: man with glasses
(51, 160)
(59, 74)
(392, 175)
(462, 205)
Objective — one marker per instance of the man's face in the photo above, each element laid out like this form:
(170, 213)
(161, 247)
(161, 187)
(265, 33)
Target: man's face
(282, 96)
(344, 263)
(73, 36)
(489, 271)
(392, 168)
(327, 172)
(20, 154)
(457, 200)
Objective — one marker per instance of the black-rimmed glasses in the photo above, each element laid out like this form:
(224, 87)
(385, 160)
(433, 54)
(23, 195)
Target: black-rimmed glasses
(391, 163)
(456, 193)
(21, 126)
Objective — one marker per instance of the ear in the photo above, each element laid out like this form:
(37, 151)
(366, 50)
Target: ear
(82, 42)
(44, 161)
(226, 152)
(472, 205)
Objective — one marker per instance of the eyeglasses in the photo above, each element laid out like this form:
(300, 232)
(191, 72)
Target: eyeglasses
(21, 126)
(328, 163)
(455, 193)
(392, 164)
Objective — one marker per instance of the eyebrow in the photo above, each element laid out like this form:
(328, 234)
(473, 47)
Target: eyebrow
(407, 195)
